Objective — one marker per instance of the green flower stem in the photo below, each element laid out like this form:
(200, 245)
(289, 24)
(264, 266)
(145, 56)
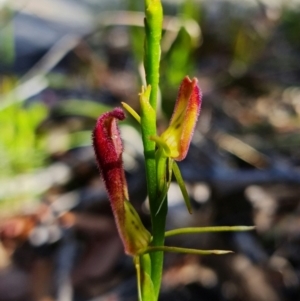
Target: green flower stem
(153, 28)
(137, 265)
(186, 250)
(158, 239)
(208, 229)
(148, 126)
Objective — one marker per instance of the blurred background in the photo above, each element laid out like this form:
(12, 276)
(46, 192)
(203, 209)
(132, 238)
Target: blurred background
(64, 62)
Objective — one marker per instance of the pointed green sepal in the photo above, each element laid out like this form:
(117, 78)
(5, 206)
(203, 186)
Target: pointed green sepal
(136, 235)
(131, 111)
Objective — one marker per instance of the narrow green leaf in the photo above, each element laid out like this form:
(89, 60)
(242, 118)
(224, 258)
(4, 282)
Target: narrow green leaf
(186, 250)
(181, 184)
(208, 229)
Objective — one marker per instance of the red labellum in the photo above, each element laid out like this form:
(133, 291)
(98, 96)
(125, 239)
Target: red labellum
(108, 150)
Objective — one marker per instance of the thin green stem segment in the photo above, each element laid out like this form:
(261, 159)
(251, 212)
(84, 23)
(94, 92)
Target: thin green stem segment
(148, 126)
(186, 250)
(153, 28)
(208, 229)
(137, 265)
(144, 283)
(158, 239)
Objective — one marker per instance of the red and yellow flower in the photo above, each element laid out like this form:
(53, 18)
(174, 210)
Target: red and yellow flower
(178, 135)
(108, 150)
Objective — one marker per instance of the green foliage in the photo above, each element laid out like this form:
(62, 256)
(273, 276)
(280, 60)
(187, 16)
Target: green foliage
(21, 149)
(82, 108)
(291, 25)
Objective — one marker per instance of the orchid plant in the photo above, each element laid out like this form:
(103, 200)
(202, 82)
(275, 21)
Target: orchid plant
(161, 153)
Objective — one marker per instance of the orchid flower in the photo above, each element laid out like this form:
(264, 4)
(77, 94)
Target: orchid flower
(177, 137)
(161, 153)
(108, 150)
(173, 143)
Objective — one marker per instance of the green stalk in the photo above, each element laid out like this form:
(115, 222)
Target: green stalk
(148, 126)
(153, 28)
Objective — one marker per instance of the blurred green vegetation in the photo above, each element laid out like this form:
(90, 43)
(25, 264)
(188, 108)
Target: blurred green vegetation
(21, 148)
(246, 57)
(238, 47)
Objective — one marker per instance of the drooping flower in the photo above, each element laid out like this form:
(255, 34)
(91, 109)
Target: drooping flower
(108, 150)
(178, 135)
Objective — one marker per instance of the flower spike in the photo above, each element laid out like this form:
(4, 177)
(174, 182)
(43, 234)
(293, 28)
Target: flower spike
(108, 150)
